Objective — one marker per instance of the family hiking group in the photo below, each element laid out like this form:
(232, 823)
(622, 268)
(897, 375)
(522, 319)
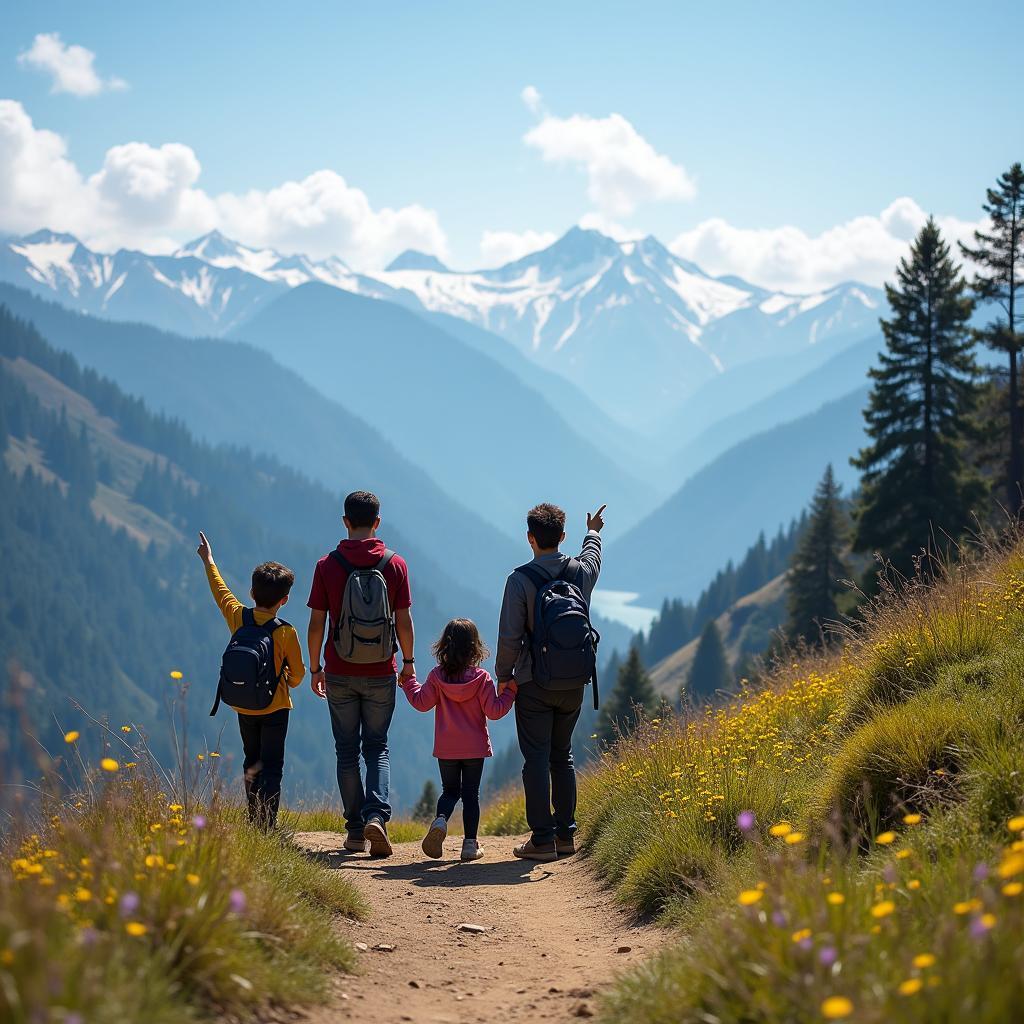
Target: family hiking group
(360, 618)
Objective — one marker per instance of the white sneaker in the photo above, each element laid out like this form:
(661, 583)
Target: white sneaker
(471, 850)
(433, 841)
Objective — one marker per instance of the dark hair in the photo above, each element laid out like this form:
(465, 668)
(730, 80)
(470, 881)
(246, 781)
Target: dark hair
(271, 583)
(547, 524)
(362, 509)
(459, 648)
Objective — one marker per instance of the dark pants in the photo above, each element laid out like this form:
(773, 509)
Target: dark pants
(263, 746)
(461, 779)
(361, 710)
(545, 720)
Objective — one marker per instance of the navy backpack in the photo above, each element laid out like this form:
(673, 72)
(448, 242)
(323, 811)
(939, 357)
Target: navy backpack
(563, 643)
(248, 679)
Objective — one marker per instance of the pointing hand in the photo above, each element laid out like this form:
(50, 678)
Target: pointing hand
(204, 551)
(596, 521)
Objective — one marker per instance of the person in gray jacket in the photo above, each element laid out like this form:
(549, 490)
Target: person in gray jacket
(545, 718)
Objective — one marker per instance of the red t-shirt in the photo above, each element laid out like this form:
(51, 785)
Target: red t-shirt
(329, 580)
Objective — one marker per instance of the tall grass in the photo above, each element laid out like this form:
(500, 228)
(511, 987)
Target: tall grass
(858, 811)
(134, 898)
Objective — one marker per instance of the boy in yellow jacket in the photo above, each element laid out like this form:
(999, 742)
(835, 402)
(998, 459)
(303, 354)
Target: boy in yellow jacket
(263, 732)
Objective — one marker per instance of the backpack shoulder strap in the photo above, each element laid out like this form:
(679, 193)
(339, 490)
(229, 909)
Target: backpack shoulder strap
(534, 575)
(342, 561)
(385, 559)
(570, 571)
(248, 618)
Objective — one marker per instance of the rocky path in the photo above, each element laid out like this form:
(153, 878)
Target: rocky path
(495, 940)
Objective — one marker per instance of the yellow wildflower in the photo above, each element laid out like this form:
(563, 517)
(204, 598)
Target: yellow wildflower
(836, 898)
(108, 764)
(783, 828)
(192, 879)
(914, 883)
(1016, 823)
(801, 934)
(911, 986)
(82, 895)
(1013, 888)
(885, 838)
(749, 897)
(924, 960)
(135, 928)
(911, 819)
(883, 909)
(966, 906)
(836, 1008)
(793, 838)
(70, 737)
(176, 674)
(1012, 865)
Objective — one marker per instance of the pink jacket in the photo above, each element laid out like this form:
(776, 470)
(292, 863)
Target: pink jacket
(463, 707)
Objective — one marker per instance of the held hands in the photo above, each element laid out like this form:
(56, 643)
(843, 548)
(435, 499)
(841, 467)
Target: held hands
(204, 551)
(596, 521)
(407, 673)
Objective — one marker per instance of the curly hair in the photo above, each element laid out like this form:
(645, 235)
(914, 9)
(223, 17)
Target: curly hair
(459, 647)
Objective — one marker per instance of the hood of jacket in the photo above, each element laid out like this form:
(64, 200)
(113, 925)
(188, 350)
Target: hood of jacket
(466, 687)
(363, 553)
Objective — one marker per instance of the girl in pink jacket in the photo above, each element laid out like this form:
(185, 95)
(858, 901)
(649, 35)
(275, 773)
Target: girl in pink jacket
(463, 697)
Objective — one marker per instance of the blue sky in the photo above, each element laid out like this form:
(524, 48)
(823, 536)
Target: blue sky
(780, 117)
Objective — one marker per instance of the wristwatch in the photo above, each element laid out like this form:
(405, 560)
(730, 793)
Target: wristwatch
(408, 661)
(319, 668)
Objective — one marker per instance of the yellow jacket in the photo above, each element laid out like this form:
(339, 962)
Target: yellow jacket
(287, 653)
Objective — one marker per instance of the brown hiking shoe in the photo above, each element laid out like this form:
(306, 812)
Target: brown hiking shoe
(377, 836)
(565, 847)
(527, 851)
(355, 844)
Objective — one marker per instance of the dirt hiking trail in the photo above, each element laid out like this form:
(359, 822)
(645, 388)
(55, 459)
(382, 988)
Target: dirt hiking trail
(552, 936)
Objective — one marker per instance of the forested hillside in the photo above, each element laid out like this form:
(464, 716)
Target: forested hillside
(102, 501)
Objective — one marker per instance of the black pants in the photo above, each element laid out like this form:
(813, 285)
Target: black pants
(545, 720)
(263, 745)
(461, 779)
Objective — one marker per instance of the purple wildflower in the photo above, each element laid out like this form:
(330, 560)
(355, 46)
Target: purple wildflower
(828, 955)
(805, 944)
(236, 901)
(88, 936)
(129, 904)
(778, 918)
(199, 821)
(979, 928)
(745, 820)
(980, 872)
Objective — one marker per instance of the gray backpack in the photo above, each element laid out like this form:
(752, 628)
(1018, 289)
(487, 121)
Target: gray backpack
(364, 632)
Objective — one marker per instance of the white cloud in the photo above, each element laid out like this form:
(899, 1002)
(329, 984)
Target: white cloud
(532, 98)
(70, 66)
(865, 248)
(623, 169)
(147, 197)
(500, 247)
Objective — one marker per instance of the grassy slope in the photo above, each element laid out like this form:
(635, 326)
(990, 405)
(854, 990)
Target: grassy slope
(140, 899)
(881, 879)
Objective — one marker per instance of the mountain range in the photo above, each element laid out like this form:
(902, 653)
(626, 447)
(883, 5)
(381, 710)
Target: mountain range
(633, 326)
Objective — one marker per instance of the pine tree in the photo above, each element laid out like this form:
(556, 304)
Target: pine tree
(426, 806)
(915, 481)
(818, 566)
(1000, 255)
(632, 697)
(710, 672)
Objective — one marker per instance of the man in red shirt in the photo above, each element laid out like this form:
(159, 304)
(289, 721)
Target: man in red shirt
(361, 696)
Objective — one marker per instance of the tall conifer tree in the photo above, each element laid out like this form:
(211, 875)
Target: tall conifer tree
(999, 254)
(632, 695)
(710, 670)
(818, 565)
(916, 482)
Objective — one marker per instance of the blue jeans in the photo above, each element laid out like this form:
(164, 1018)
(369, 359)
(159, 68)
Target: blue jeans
(361, 710)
